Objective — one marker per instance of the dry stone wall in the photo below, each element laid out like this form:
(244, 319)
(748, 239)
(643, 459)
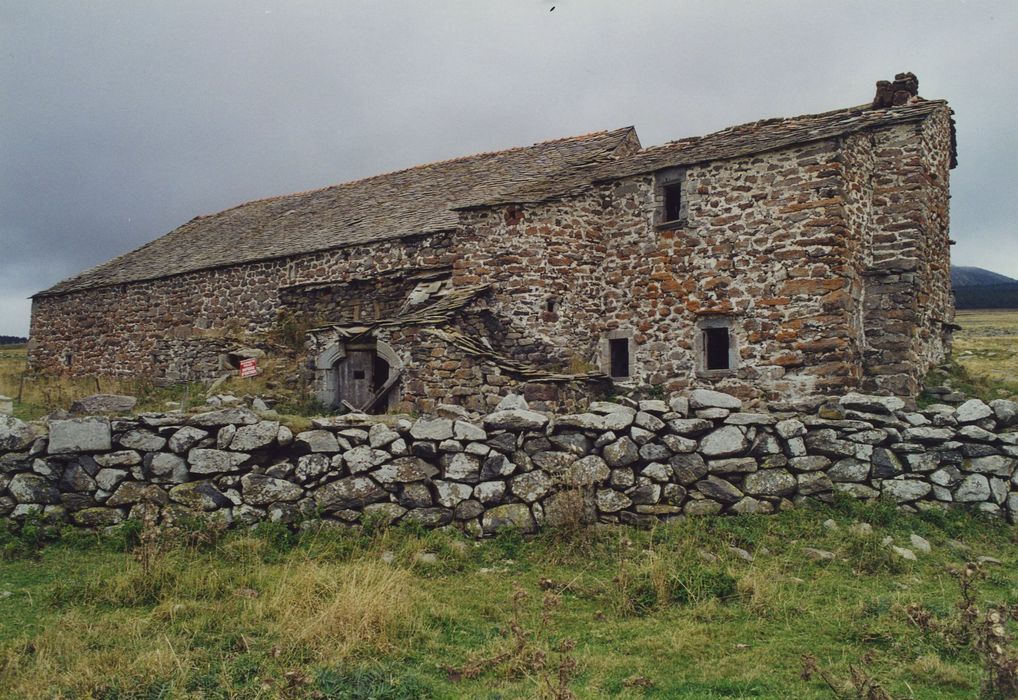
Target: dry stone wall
(614, 462)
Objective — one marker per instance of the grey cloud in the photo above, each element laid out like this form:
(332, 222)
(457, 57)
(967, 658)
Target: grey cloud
(123, 120)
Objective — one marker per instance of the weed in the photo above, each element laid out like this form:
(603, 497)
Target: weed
(859, 685)
(867, 554)
(18, 541)
(371, 683)
(530, 653)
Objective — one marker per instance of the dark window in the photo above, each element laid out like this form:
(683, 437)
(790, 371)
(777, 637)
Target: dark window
(715, 347)
(551, 306)
(619, 354)
(673, 201)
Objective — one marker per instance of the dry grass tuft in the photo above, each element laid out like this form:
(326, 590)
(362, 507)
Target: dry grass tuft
(81, 656)
(330, 612)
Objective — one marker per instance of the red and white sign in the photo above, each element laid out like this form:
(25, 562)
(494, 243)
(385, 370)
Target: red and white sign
(249, 368)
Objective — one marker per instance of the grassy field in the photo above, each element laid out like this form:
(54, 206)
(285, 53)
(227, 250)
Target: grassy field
(673, 612)
(987, 347)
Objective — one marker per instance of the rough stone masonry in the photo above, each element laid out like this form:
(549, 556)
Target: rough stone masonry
(630, 462)
(780, 261)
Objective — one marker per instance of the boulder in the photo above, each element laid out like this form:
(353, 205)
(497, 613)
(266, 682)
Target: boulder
(553, 461)
(260, 490)
(380, 435)
(255, 437)
(131, 492)
(91, 434)
(199, 495)
(32, 488)
(726, 441)
(514, 515)
(451, 493)
(461, 466)
(364, 458)
(871, 404)
(163, 467)
(312, 466)
(705, 398)
(351, 492)
(611, 501)
(688, 468)
(142, 441)
(904, 490)
(515, 420)
(76, 479)
(108, 479)
(186, 438)
(405, 470)
(317, 441)
(16, 435)
(206, 461)
(104, 404)
(531, 486)
(225, 416)
(974, 488)
(1005, 412)
(621, 453)
(718, 489)
(432, 429)
(849, 469)
(769, 482)
(972, 410)
(812, 483)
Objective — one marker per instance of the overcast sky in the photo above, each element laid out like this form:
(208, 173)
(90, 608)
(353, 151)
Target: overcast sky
(122, 120)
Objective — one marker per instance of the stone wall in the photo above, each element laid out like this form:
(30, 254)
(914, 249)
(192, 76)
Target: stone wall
(613, 463)
(173, 327)
(764, 247)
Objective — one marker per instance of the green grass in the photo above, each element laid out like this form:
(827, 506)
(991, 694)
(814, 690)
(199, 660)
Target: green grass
(985, 354)
(669, 612)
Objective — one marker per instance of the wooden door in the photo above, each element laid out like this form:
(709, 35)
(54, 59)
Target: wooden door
(356, 377)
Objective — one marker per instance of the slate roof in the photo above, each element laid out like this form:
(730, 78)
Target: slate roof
(408, 202)
(424, 199)
(733, 142)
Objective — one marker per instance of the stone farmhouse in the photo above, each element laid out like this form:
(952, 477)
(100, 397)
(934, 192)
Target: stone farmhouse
(780, 261)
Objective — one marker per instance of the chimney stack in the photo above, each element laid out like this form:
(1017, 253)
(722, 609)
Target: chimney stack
(902, 91)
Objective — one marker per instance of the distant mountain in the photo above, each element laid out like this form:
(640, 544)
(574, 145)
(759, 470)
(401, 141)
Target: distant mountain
(975, 276)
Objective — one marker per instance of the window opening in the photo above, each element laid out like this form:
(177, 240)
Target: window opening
(716, 346)
(673, 201)
(551, 306)
(618, 350)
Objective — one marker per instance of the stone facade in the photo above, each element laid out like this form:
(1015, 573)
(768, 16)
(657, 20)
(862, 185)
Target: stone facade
(632, 462)
(817, 246)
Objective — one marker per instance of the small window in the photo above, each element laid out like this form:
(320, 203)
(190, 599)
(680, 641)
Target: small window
(670, 204)
(716, 347)
(550, 305)
(673, 201)
(618, 350)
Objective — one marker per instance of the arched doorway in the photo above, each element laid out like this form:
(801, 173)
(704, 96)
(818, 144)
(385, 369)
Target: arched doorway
(361, 376)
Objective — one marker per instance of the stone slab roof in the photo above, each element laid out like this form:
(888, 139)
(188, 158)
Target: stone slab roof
(415, 201)
(733, 142)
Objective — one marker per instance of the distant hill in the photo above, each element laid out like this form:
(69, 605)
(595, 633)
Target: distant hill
(976, 288)
(12, 340)
(977, 276)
